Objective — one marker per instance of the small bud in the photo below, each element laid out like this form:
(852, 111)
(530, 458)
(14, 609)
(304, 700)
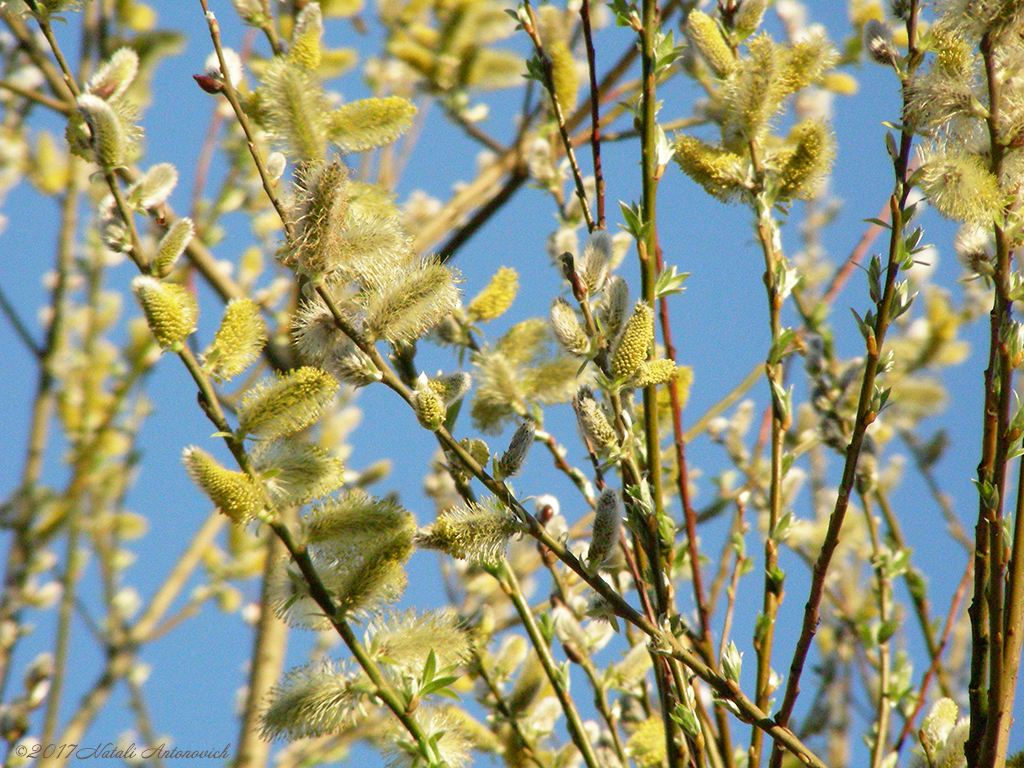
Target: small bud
(170, 309)
(253, 12)
(106, 131)
(748, 17)
(595, 261)
(211, 85)
(567, 329)
(238, 341)
(732, 660)
(276, 164)
(234, 493)
(593, 423)
(878, 42)
(708, 40)
(494, 300)
(172, 245)
(512, 460)
(430, 410)
(233, 62)
(635, 342)
(153, 189)
(607, 517)
(287, 404)
(614, 304)
(115, 77)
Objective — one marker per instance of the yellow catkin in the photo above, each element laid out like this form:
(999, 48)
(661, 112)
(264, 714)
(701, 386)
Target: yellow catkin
(809, 162)
(495, 299)
(430, 410)
(170, 309)
(238, 340)
(715, 169)
(234, 493)
(635, 342)
(555, 38)
(708, 40)
(654, 372)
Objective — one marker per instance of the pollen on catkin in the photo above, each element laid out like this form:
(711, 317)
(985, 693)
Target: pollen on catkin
(477, 533)
(808, 163)
(593, 423)
(555, 38)
(370, 123)
(718, 170)
(309, 29)
(654, 372)
(430, 409)
(171, 310)
(495, 299)
(235, 493)
(960, 186)
(287, 404)
(707, 38)
(647, 744)
(172, 245)
(238, 341)
(452, 387)
(314, 700)
(293, 109)
(634, 343)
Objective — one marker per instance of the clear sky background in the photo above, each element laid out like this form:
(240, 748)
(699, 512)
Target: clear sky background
(719, 322)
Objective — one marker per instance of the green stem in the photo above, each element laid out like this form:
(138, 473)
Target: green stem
(510, 585)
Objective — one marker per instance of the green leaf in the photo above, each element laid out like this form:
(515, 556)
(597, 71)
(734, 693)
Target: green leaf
(669, 282)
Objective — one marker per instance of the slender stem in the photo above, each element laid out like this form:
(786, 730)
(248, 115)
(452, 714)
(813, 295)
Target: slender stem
(559, 682)
(883, 597)
(595, 112)
(269, 643)
(774, 275)
(987, 741)
(243, 120)
(549, 83)
(865, 412)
